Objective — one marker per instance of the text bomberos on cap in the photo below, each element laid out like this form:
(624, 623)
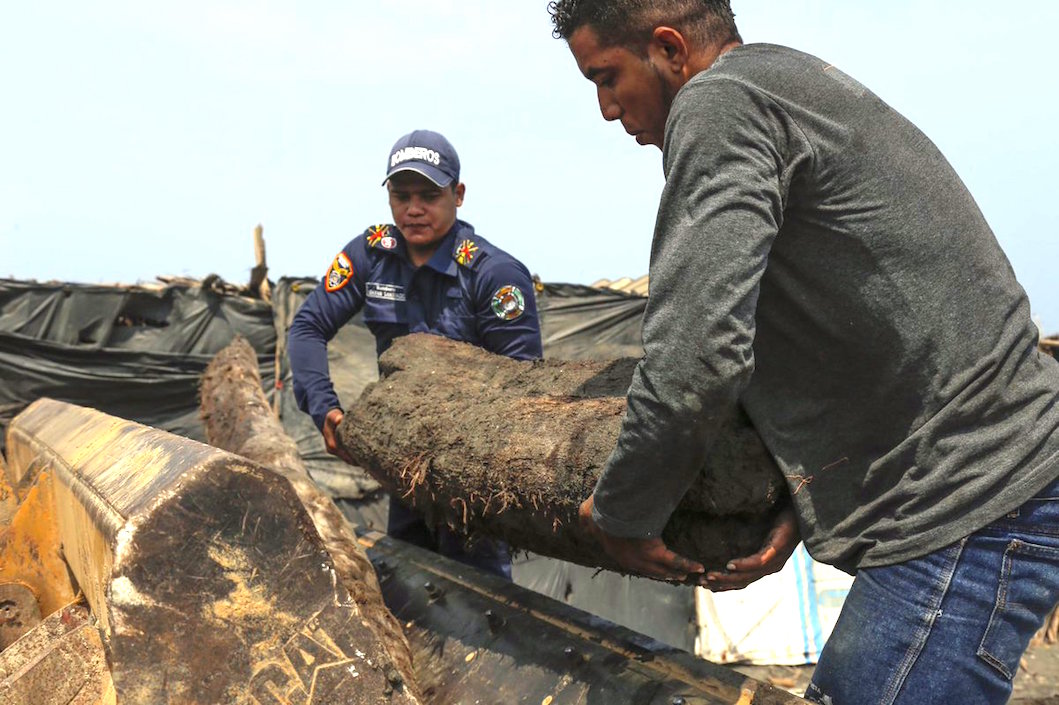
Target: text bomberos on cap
(420, 153)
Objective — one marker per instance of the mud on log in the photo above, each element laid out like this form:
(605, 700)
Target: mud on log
(239, 419)
(509, 449)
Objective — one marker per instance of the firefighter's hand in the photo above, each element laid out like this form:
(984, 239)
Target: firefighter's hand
(330, 431)
(779, 545)
(648, 557)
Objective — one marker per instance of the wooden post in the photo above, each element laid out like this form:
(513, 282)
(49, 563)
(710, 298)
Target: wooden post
(259, 274)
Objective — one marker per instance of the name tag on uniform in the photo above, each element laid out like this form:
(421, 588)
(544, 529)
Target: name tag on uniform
(385, 292)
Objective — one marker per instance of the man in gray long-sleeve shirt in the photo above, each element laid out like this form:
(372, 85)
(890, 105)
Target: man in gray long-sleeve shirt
(817, 259)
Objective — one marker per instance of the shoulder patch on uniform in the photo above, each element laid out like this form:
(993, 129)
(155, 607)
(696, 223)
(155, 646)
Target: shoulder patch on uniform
(466, 252)
(508, 303)
(340, 273)
(378, 233)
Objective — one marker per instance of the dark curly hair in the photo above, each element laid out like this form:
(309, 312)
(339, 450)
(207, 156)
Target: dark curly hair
(630, 22)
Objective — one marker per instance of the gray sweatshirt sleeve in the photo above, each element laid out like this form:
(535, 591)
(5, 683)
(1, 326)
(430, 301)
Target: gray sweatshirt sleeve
(729, 155)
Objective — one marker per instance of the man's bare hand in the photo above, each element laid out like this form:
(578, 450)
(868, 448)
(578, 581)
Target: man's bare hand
(330, 431)
(648, 557)
(779, 545)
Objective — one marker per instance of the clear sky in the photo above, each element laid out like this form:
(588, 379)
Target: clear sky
(146, 138)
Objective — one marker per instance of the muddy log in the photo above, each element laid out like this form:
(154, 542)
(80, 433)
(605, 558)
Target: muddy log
(239, 419)
(509, 449)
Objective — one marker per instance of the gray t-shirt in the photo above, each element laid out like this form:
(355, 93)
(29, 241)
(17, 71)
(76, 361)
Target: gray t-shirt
(817, 258)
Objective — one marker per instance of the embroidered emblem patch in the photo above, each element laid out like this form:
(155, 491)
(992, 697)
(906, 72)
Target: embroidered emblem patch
(388, 243)
(508, 303)
(340, 273)
(465, 252)
(376, 233)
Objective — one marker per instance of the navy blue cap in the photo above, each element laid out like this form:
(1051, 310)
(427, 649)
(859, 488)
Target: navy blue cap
(427, 153)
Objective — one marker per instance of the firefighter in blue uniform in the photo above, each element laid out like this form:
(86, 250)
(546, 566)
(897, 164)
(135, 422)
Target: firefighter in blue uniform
(427, 273)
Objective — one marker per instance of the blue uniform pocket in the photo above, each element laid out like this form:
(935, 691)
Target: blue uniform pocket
(456, 320)
(383, 311)
(1027, 591)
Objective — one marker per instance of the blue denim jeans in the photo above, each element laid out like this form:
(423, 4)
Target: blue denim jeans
(949, 627)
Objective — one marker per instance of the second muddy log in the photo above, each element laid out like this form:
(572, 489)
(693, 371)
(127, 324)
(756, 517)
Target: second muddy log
(509, 449)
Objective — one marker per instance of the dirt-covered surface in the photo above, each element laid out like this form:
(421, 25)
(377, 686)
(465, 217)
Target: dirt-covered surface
(1037, 682)
(510, 449)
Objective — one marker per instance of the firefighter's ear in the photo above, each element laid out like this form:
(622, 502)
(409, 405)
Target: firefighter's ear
(460, 191)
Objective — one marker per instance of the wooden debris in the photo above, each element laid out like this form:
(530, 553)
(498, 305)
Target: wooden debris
(259, 285)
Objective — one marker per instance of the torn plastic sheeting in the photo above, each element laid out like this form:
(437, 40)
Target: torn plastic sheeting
(131, 351)
(172, 318)
(155, 389)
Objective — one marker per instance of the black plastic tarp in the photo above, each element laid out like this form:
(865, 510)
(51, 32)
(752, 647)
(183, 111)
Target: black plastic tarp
(582, 323)
(174, 318)
(132, 351)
